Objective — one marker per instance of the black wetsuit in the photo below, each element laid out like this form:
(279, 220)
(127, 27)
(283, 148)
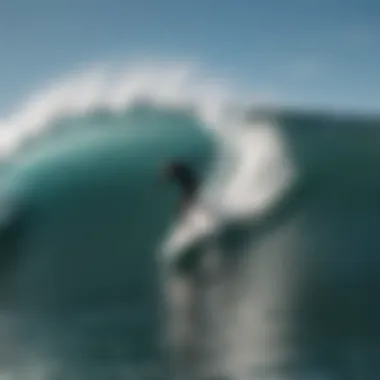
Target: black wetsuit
(186, 179)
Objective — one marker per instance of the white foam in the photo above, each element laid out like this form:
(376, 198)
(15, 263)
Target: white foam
(113, 88)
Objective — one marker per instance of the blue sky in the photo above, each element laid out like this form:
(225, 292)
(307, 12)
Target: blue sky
(321, 52)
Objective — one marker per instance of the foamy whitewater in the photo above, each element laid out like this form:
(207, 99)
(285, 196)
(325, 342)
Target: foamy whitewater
(263, 278)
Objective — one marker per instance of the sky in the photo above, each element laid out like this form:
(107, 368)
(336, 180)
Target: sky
(302, 52)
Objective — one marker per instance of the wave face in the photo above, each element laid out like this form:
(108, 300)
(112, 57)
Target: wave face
(284, 284)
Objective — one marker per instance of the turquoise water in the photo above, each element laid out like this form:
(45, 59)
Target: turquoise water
(81, 289)
(90, 211)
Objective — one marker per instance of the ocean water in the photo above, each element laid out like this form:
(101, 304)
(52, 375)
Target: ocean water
(283, 285)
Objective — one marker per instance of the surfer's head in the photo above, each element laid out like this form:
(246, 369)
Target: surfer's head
(183, 174)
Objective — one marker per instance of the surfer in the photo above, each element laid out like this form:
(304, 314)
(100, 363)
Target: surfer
(186, 179)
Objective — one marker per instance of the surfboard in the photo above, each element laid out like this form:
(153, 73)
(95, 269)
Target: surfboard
(197, 223)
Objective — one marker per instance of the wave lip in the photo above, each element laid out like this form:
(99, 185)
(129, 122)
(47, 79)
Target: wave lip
(109, 87)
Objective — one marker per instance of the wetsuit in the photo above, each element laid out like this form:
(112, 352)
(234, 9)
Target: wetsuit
(186, 179)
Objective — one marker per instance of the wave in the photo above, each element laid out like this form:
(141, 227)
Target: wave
(251, 170)
(294, 201)
(253, 166)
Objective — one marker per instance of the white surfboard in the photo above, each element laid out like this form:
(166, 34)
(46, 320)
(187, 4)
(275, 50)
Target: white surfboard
(198, 223)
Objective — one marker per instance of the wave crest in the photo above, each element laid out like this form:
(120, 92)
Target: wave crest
(253, 167)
